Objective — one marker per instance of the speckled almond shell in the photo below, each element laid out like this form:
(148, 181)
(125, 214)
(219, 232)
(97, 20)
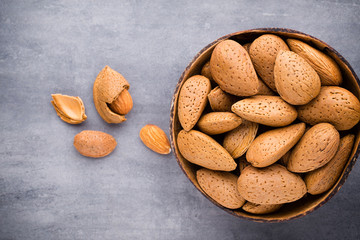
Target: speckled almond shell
(205, 71)
(335, 105)
(264, 90)
(295, 80)
(237, 141)
(220, 101)
(242, 164)
(232, 69)
(322, 179)
(263, 52)
(200, 149)
(220, 186)
(260, 208)
(267, 110)
(218, 122)
(270, 185)
(246, 46)
(94, 144)
(316, 148)
(192, 100)
(270, 146)
(327, 69)
(107, 87)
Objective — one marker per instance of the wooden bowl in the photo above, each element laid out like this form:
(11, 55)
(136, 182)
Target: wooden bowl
(309, 203)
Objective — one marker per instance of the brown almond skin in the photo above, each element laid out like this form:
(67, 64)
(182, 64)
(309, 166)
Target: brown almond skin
(270, 185)
(316, 148)
(238, 140)
(263, 52)
(155, 139)
(220, 186)
(334, 105)
(192, 100)
(256, 109)
(327, 69)
(220, 101)
(295, 80)
(218, 122)
(123, 103)
(322, 179)
(200, 149)
(270, 146)
(94, 144)
(260, 208)
(232, 69)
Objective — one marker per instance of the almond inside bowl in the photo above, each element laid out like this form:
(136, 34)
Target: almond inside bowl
(309, 203)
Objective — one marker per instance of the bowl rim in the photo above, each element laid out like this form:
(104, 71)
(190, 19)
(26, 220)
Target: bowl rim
(172, 113)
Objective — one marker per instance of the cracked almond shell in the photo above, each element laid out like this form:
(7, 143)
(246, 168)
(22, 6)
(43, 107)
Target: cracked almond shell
(107, 87)
(70, 109)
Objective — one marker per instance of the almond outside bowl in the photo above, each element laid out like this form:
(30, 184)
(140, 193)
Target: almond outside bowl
(309, 203)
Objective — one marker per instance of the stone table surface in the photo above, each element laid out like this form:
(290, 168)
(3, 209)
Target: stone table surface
(49, 191)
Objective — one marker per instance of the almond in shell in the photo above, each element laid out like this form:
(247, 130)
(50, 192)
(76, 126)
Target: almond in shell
(192, 100)
(263, 52)
(218, 122)
(205, 71)
(270, 146)
(260, 208)
(327, 69)
(322, 179)
(243, 163)
(267, 110)
(220, 101)
(155, 138)
(316, 148)
(334, 105)
(270, 185)
(295, 80)
(237, 141)
(94, 144)
(220, 186)
(232, 69)
(108, 86)
(200, 149)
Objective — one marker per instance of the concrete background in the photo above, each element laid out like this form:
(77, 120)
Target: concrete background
(49, 191)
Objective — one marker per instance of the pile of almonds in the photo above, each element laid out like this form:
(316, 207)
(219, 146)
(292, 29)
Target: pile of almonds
(273, 130)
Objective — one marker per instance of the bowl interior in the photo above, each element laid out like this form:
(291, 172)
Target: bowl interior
(308, 203)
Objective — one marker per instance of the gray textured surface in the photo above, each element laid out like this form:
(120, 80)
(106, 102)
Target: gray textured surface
(49, 191)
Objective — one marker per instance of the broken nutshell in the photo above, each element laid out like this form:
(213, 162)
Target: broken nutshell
(70, 109)
(111, 97)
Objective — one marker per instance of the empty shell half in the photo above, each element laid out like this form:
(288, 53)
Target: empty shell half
(70, 109)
